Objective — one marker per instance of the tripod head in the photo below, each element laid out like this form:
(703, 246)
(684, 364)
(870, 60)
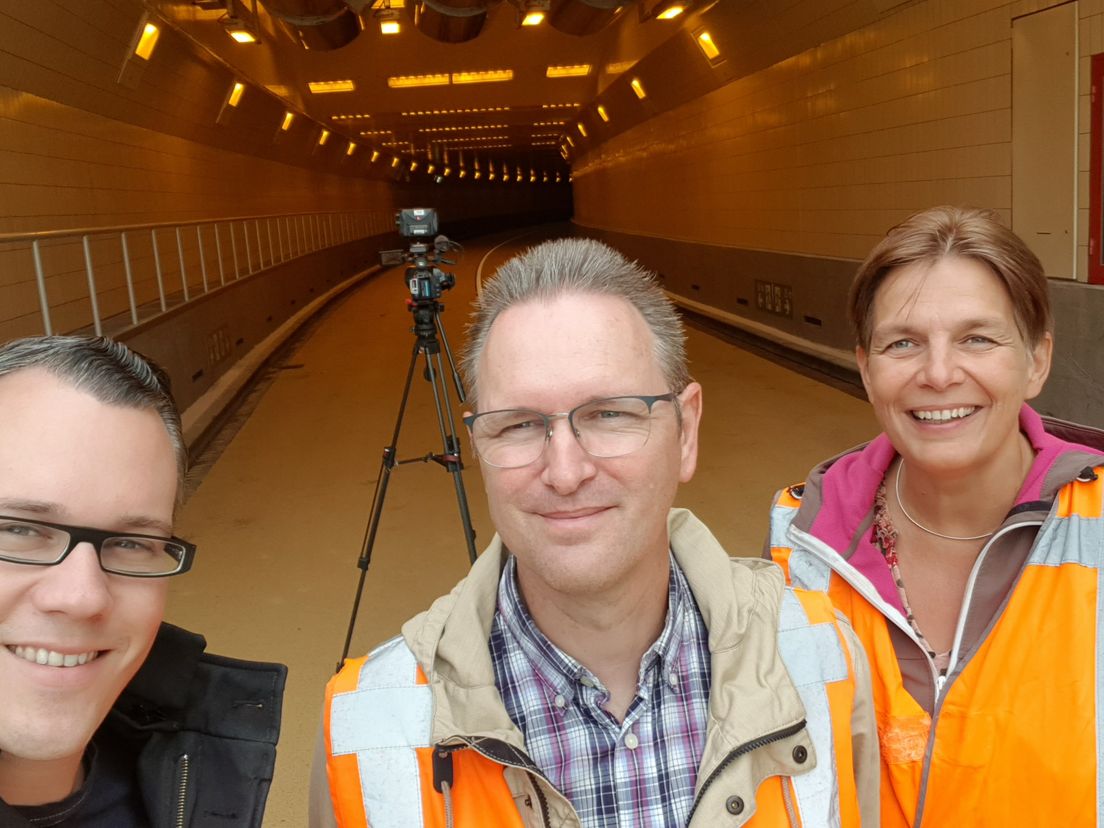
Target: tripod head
(424, 279)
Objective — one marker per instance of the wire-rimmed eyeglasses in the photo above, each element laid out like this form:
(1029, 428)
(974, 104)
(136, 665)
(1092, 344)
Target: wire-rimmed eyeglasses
(611, 427)
(138, 556)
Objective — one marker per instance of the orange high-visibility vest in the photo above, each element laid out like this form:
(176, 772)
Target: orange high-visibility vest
(1017, 732)
(385, 772)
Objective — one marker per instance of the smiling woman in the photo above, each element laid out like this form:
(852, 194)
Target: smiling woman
(963, 542)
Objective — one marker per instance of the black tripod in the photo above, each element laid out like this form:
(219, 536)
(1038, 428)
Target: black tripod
(427, 326)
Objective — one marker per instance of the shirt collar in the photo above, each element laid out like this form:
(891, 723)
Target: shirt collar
(563, 672)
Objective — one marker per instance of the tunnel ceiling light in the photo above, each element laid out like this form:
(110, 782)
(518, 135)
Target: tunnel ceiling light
(395, 162)
(288, 118)
(323, 137)
(326, 87)
(238, 29)
(533, 12)
(579, 70)
(668, 10)
(350, 116)
(581, 128)
(456, 111)
(705, 43)
(407, 81)
(603, 114)
(413, 166)
(375, 157)
(559, 106)
(349, 150)
(547, 123)
(620, 66)
(485, 76)
(570, 140)
(638, 88)
(388, 20)
(147, 41)
(236, 92)
(430, 169)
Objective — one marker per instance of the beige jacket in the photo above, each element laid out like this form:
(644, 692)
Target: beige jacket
(751, 692)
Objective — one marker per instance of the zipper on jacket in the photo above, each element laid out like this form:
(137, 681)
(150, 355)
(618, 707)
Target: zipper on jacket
(181, 789)
(484, 747)
(746, 747)
(787, 800)
(960, 629)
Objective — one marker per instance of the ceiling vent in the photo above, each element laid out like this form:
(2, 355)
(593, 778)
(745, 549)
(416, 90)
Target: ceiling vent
(317, 25)
(450, 21)
(583, 17)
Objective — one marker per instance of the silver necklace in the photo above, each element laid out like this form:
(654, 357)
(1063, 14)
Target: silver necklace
(918, 524)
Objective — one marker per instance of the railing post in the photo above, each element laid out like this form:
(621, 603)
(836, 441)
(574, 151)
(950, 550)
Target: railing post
(129, 279)
(298, 235)
(157, 268)
(96, 324)
(202, 258)
(279, 239)
(180, 257)
(248, 247)
(43, 300)
(260, 248)
(271, 250)
(234, 250)
(218, 254)
(314, 231)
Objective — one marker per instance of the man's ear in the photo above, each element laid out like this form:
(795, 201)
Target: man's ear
(690, 404)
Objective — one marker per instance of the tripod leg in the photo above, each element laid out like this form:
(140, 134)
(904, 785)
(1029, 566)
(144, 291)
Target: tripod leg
(456, 381)
(388, 463)
(452, 446)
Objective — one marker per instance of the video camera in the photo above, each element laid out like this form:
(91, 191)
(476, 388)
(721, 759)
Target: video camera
(424, 279)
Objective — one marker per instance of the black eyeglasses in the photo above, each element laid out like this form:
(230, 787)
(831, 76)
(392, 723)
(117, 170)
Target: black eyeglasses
(612, 427)
(138, 556)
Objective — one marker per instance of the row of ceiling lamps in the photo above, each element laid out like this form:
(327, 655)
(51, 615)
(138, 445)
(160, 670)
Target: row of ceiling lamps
(146, 41)
(708, 47)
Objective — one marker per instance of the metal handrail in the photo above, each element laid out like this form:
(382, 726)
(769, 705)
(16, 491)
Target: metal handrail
(294, 235)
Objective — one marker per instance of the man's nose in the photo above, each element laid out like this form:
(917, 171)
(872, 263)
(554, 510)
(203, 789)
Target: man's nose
(77, 586)
(566, 463)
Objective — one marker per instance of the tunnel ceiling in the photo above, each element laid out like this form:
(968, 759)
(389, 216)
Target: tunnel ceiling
(518, 120)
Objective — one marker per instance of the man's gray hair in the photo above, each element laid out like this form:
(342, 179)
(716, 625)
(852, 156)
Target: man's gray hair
(107, 370)
(577, 266)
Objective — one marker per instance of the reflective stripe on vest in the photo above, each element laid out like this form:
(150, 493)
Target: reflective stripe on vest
(813, 655)
(382, 722)
(805, 569)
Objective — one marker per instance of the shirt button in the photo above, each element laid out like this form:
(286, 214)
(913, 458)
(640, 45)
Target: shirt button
(631, 741)
(673, 680)
(560, 700)
(586, 682)
(734, 805)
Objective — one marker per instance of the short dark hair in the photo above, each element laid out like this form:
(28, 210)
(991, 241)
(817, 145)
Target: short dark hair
(970, 233)
(107, 370)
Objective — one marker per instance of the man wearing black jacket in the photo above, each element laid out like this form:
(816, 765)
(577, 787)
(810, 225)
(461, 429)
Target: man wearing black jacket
(108, 717)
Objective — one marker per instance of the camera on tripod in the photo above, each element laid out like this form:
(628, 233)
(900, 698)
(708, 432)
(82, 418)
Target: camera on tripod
(425, 280)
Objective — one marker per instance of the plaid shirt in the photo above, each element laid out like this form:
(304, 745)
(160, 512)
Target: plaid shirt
(638, 773)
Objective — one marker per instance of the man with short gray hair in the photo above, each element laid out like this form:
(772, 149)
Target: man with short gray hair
(605, 663)
(109, 717)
